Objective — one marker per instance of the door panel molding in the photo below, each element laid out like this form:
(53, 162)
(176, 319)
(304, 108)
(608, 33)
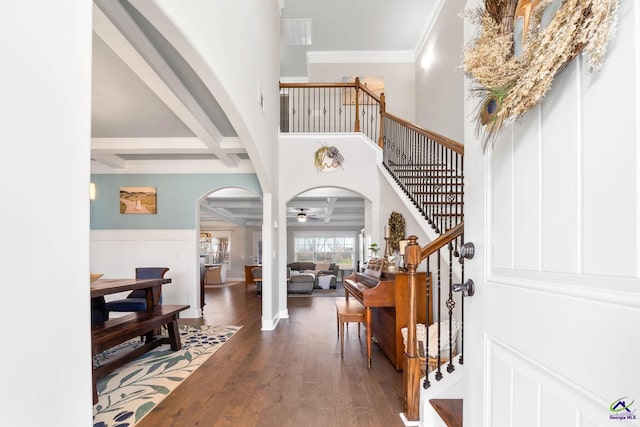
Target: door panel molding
(542, 393)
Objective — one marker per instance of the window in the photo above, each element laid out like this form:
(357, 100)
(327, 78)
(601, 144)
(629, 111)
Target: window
(216, 247)
(321, 248)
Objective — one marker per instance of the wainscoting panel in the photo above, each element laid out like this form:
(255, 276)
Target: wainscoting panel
(527, 391)
(560, 151)
(564, 182)
(117, 253)
(526, 199)
(501, 207)
(525, 394)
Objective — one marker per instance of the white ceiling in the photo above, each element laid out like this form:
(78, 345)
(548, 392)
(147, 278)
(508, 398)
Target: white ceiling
(150, 109)
(355, 25)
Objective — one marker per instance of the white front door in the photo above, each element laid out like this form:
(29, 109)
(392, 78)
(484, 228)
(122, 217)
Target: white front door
(551, 334)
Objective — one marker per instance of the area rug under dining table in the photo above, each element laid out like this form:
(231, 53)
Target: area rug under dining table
(129, 393)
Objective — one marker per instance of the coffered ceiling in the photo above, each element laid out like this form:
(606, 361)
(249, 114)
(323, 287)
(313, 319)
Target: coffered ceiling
(322, 206)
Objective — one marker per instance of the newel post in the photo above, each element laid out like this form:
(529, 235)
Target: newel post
(357, 122)
(382, 111)
(411, 373)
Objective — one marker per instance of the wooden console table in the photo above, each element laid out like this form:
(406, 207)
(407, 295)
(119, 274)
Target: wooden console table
(139, 324)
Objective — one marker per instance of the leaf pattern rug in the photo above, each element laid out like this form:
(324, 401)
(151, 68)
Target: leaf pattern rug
(126, 395)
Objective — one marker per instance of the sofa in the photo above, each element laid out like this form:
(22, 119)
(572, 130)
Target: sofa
(317, 269)
(301, 283)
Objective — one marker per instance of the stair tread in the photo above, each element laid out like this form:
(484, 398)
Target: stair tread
(450, 410)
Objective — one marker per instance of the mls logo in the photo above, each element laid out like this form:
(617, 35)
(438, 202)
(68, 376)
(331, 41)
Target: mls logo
(621, 409)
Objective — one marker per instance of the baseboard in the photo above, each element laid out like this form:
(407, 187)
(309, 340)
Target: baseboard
(270, 324)
(408, 423)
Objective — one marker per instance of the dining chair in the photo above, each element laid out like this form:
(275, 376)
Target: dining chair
(137, 300)
(256, 272)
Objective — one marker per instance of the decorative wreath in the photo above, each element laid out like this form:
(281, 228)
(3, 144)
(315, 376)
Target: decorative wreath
(509, 84)
(397, 224)
(328, 159)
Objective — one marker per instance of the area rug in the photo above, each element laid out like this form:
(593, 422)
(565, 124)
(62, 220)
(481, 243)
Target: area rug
(126, 395)
(338, 292)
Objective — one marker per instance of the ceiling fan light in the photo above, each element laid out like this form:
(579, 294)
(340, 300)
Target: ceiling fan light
(302, 217)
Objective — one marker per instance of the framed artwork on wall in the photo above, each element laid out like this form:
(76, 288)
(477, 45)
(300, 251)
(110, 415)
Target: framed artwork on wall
(138, 200)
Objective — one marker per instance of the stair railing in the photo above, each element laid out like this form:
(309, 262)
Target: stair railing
(441, 282)
(331, 108)
(429, 169)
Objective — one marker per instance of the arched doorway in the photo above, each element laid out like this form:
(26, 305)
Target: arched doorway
(229, 222)
(325, 225)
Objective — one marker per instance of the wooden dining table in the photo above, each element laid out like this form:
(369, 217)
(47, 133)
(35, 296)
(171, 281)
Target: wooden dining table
(137, 324)
(103, 287)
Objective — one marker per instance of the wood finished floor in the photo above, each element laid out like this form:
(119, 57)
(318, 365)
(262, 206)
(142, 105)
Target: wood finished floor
(292, 376)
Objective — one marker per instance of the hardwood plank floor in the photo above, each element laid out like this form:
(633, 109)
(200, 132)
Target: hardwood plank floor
(292, 376)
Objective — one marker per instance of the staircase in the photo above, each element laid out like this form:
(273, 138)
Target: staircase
(428, 170)
(449, 410)
(441, 404)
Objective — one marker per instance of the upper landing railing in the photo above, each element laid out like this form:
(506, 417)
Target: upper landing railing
(330, 108)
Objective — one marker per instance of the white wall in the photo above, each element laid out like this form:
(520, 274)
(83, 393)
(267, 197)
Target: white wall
(439, 80)
(45, 107)
(399, 80)
(359, 174)
(117, 253)
(234, 47)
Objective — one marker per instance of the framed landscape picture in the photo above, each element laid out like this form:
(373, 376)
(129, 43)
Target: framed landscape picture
(138, 200)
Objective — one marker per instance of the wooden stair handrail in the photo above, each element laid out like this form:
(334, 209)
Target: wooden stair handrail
(330, 85)
(442, 241)
(316, 85)
(440, 139)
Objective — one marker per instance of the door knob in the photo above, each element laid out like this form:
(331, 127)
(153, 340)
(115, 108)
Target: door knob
(467, 288)
(467, 250)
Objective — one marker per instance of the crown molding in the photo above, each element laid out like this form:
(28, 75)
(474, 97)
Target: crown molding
(361, 57)
(426, 32)
(300, 79)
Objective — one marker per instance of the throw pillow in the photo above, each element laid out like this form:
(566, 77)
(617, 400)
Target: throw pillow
(323, 266)
(433, 337)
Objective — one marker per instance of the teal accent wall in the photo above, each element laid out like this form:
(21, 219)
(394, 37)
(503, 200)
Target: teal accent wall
(177, 197)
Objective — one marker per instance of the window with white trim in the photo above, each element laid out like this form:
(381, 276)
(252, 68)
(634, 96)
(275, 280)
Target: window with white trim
(216, 246)
(323, 248)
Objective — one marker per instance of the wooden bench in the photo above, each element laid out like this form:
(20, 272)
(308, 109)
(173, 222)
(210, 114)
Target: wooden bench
(133, 325)
(348, 311)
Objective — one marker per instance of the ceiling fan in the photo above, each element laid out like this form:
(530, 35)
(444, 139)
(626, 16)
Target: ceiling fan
(303, 216)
